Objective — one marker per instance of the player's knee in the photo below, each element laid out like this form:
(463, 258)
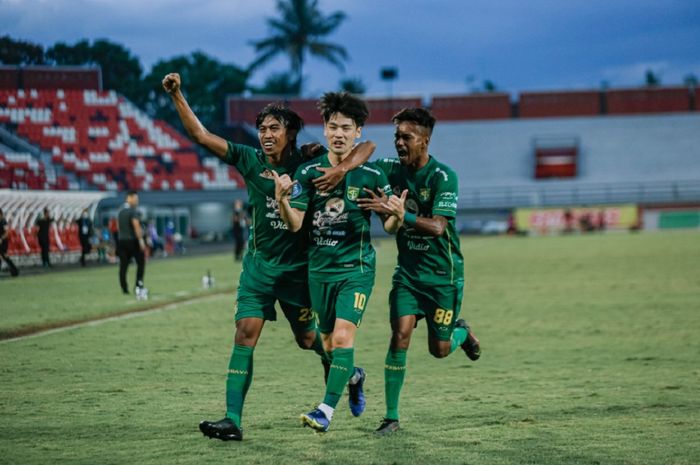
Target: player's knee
(439, 350)
(400, 339)
(305, 341)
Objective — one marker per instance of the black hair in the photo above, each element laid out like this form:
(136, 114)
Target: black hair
(345, 103)
(131, 192)
(419, 116)
(282, 113)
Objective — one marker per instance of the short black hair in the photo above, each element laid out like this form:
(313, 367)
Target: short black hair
(419, 116)
(282, 113)
(131, 192)
(345, 103)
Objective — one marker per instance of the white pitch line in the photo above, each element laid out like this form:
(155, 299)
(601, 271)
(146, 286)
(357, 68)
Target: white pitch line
(126, 316)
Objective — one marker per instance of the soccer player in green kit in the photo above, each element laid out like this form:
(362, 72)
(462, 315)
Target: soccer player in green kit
(341, 257)
(429, 278)
(275, 266)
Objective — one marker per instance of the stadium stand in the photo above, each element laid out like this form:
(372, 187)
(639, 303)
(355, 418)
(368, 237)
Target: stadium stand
(557, 104)
(471, 107)
(649, 100)
(98, 137)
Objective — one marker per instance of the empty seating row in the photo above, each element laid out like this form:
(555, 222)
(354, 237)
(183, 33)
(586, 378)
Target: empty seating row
(109, 143)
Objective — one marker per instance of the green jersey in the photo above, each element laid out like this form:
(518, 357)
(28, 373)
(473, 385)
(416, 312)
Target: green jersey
(271, 242)
(340, 244)
(432, 190)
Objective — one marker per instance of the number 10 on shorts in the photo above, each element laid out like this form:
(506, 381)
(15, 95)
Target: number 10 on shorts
(360, 301)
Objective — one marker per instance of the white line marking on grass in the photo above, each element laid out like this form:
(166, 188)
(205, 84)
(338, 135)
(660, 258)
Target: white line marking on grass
(126, 316)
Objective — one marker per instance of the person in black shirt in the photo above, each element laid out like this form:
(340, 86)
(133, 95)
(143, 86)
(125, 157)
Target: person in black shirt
(131, 245)
(44, 225)
(4, 244)
(84, 234)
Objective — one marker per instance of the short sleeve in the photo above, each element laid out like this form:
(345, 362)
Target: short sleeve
(241, 156)
(446, 188)
(303, 188)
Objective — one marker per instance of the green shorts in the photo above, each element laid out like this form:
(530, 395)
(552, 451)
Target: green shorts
(260, 287)
(345, 299)
(438, 304)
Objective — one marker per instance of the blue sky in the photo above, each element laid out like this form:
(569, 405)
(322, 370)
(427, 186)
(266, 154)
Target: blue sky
(438, 46)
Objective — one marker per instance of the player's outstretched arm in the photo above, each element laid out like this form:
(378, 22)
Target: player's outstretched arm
(292, 217)
(195, 129)
(332, 176)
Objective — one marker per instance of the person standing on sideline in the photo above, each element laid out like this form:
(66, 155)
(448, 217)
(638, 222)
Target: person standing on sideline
(85, 233)
(43, 224)
(275, 265)
(429, 279)
(5, 243)
(131, 245)
(341, 257)
(239, 225)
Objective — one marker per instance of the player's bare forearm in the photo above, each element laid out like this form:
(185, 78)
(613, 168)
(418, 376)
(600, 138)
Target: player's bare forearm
(195, 129)
(333, 176)
(360, 154)
(392, 224)
(291, 216)
(434, 226)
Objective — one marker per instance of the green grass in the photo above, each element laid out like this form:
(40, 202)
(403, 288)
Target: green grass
(590, 344)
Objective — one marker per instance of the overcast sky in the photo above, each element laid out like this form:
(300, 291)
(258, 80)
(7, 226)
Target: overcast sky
(438, 46)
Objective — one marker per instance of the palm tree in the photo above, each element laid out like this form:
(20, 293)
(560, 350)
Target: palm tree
(297, 32)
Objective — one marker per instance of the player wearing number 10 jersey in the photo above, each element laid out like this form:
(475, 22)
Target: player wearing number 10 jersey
(341, 257)
(429, 278)
(275, 266)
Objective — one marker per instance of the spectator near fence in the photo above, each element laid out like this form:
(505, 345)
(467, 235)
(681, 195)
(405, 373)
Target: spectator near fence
(4, 244)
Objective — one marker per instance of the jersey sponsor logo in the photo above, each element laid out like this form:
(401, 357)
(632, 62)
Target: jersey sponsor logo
(417, 246)
(444, 174)
(371, 170)
(424, 194)
(331, 215)
(353, 193)
(296, 190)
(309, 167)
(325, 241)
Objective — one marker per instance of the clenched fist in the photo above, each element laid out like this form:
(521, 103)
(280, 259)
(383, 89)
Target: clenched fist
(171, 83)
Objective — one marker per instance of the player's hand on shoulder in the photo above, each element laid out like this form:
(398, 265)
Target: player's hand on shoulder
(330, 177)
(311, 150)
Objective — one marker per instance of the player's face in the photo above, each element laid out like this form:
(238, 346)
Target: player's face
(341, 133)
(273, 136)
(411, 142)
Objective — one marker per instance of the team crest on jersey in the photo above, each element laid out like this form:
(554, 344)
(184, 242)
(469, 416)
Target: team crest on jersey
(296, 190)
(353, 193)
(424, 194)
(267, 174)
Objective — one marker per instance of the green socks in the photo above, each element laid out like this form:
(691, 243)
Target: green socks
(240, 375)
(394, 373)
(342, 368)
(459, 335)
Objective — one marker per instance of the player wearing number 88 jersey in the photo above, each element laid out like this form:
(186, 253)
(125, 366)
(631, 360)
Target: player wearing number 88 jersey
(429, 278)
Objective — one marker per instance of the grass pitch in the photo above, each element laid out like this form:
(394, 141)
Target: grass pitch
(590, 349)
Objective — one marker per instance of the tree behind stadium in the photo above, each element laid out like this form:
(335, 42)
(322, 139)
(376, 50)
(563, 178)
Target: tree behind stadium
(297, 32)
